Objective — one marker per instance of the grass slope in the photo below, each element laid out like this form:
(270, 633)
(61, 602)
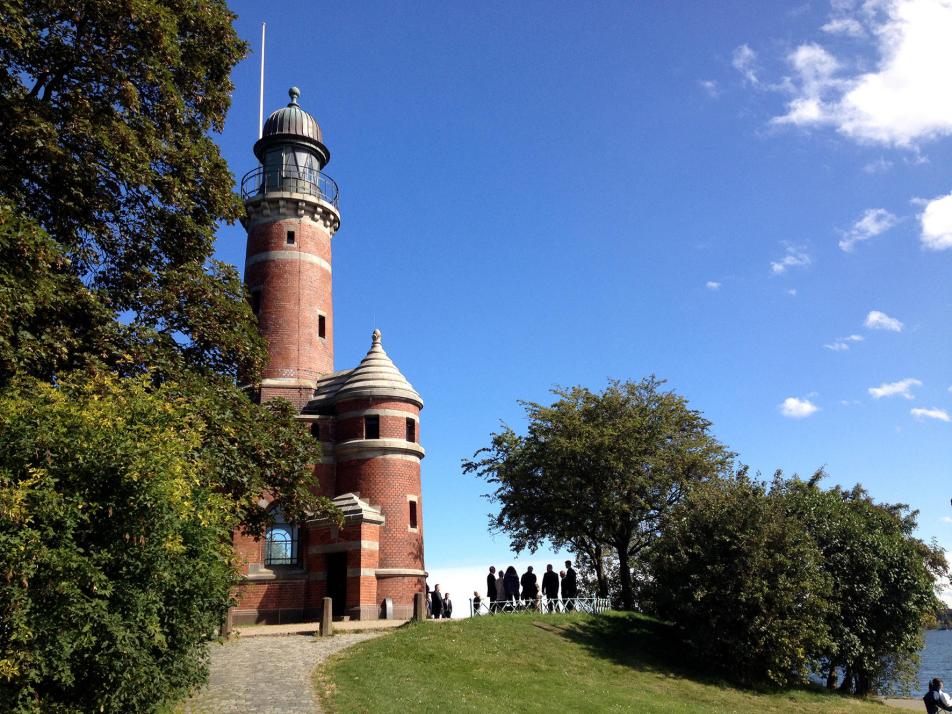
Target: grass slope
(533, 663)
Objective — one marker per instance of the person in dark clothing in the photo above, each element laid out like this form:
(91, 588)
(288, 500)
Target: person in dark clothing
(436, 605)
(447, 607)
(550, 586)
(935, 699)
(530, 586)
(511, 582)
(569, 586)
(476, 603)
(491, 596)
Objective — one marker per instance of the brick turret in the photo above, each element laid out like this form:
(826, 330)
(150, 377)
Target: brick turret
(291, 215)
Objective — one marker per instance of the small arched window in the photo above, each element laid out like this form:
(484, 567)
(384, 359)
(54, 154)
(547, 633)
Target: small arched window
(281, 543)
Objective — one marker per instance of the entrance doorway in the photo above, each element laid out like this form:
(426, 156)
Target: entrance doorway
(337, 581)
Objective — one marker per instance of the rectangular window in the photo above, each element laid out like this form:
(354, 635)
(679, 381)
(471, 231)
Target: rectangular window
(290, 237)
(321, 326)
(413, 514)
(256, 302)
(411, 430)
(372, 427)
(316, 430)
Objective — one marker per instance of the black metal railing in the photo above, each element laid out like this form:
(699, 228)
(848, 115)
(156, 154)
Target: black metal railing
(307, 181)
(592, 605)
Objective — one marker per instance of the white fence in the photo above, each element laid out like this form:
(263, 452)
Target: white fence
(592, 605)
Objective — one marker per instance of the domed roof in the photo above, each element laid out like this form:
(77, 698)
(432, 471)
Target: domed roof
(292, 120)
(377, 376)
(292, 124)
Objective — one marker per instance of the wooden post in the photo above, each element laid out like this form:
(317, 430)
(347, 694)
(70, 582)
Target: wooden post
(327, 618)
(419, 606)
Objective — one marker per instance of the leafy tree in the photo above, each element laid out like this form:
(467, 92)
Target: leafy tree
(743, 583)
(598, 470)
(108, 107)
(883, 579)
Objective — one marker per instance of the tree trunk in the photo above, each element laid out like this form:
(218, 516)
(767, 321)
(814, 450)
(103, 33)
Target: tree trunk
(831, 676)
(863, 684)
(624, 574)
(846, 686)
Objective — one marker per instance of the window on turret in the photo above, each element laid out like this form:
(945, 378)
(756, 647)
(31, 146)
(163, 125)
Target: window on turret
(290, 237)
(372, 427)
(413, 515)
(411, 430)
(256, 302)
(321, 326)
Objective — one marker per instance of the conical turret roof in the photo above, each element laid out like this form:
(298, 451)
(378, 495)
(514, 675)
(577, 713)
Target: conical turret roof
(377, 376)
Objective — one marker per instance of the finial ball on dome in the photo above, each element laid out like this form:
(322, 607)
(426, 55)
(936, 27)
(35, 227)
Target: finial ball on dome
(376, 337)
(294, 93)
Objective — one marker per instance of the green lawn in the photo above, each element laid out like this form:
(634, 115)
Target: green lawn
(533, 663)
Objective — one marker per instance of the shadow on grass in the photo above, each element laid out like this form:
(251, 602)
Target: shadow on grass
(646, 644)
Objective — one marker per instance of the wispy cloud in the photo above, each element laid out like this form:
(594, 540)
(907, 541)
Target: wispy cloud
(936, 222)
(895, 389)
(876, 320)
(710, 87)
(796, 257)
(901, 101)
(842, 344)
(878, 166)
(745, 61)
(713, 285)
(934, 413)
(873, 222)
(796, 408)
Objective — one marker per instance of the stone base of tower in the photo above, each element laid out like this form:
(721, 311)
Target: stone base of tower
(339, 561)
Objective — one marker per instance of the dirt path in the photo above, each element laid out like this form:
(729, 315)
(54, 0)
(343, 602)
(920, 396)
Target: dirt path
(267, 674)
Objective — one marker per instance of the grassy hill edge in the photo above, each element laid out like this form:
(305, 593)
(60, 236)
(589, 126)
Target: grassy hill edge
(619, 662)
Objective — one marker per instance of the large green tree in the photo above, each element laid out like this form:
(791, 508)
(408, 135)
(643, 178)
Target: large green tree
(883, 579)
(599, 470)
(108, 106)
(111, 188)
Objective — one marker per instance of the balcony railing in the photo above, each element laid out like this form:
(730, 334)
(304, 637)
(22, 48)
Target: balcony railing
(260, 181)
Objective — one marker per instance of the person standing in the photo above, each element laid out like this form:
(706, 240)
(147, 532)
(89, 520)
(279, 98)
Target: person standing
(476, 603)
(550, 586)
(530, 587)
(936, 699)
(511, 583)
(436, 606)
(569, 586)
(447, 607)
(491, 587)
(500, 589)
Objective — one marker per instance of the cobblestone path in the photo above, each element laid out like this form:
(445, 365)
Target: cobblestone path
(267, 674)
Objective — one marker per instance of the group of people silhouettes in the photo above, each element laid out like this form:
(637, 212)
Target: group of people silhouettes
(438, 605)
(506, 590)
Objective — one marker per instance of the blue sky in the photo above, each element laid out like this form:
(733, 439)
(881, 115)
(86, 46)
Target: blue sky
(747, 199)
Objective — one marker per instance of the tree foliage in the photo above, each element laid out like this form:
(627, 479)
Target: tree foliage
(108, 108)
(772, 585)
(744, 585)
(598, 470)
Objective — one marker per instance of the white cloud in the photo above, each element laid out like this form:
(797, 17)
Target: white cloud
(710, 86)
(895, 389)
(841, 344)
(905, 100)
(713, 285)
(934, 413)
(878, 166)
(792, 292)
(937, 222)
(877, 320)
(795, 408)
(796, 257)
(744, 61)
(873, 222)
(845, 26)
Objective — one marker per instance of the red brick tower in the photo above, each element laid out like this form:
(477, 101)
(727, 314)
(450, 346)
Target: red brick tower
(292, 213)
(367, 419)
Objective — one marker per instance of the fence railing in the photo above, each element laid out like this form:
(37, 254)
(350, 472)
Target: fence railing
(592, 605)
(307, 181)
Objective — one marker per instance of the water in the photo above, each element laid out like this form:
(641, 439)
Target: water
(936, 661)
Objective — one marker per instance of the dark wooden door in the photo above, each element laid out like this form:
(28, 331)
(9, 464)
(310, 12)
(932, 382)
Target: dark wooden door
(337, 581)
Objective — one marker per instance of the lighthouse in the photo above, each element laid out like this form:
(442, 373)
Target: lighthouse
(366, 419)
